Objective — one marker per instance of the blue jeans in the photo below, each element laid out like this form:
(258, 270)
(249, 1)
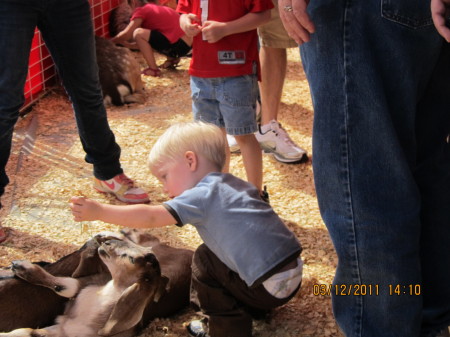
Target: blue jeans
(66, 27)
(227, 102)
(379, 76)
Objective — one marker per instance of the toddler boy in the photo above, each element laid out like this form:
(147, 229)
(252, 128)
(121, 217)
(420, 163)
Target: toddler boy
(249, 261)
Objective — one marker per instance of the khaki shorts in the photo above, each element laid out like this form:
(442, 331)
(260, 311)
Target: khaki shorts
(273, 34)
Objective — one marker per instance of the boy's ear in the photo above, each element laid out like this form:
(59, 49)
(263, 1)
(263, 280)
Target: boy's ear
(191, 159)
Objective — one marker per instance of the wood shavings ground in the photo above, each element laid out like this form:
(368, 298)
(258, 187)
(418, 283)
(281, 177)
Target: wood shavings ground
(47, 167)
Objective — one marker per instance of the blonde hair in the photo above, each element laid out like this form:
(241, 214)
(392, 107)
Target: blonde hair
(201, 138)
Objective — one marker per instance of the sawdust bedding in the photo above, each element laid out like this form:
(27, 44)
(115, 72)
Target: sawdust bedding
(47, 167)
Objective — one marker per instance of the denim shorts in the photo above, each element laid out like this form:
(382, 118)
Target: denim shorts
(228, 102)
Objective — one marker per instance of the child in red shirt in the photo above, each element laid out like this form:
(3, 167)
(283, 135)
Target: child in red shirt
(155, 27)
(225, 68)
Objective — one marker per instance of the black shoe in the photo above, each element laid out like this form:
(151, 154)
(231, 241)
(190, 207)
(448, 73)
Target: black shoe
(197, 329)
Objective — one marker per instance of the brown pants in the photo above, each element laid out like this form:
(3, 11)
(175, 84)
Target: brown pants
(225, 298)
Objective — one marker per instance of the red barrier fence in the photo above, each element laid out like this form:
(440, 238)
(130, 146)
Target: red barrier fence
(41, 70)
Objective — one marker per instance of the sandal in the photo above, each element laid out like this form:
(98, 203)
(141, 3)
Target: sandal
(3, 234)
(151, 72)
(170, 63)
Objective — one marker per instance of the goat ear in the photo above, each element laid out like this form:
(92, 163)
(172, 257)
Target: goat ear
(90, 262)
(162, 289)
(130, 307)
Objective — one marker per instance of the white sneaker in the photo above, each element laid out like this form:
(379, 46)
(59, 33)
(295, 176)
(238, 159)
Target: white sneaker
(277, 141)
(232, 143)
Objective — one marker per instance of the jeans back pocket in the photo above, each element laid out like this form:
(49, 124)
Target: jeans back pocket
(411, 13)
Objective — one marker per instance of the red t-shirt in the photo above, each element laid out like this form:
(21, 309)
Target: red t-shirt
(233, 55)
(161, 18)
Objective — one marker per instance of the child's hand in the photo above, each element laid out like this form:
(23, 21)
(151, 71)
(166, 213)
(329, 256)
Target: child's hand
(213, 31)
(84, 209)
(190, 24)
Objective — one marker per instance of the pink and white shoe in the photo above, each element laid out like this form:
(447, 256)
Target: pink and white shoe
(123, 189)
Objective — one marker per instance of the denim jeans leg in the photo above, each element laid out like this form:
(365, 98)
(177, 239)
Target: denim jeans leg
(17, 22)
(67, 29)
(433, 178)
(368, 65)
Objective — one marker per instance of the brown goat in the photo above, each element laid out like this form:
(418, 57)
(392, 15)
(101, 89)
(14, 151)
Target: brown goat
(105, 278)
(120, 74)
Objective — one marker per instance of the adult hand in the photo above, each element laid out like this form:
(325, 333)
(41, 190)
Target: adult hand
(296, 20)
(440, 11)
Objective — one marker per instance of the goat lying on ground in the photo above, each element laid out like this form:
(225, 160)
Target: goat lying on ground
(143, 279)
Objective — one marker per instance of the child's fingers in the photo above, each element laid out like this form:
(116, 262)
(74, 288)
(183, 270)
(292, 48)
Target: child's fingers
(76, 200)
(194, 19)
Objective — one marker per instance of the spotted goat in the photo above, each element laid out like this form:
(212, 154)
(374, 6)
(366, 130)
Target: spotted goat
(120, 74)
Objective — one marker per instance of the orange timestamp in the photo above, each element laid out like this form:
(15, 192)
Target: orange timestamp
(365, 289)
(346, 289)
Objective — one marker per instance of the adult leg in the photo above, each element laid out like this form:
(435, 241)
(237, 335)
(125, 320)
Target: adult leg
(367, 72)
(68, 33)
(18, 20)
(432, 174)
(272, 137)
(17, 23)
(273, 72)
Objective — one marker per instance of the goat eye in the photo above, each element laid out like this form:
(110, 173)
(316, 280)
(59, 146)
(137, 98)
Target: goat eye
(123, 255)
(59, 288)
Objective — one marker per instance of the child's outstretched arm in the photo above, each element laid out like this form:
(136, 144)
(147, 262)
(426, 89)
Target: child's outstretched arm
(213, 31)
(134, 216)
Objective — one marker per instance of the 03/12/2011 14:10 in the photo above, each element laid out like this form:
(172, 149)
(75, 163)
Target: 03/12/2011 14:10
(366, 289)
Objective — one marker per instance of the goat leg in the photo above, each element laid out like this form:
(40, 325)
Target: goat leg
(27, 332)
(34, 274)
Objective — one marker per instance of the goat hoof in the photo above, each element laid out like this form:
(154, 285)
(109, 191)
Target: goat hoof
(21, 267)
(17, 265)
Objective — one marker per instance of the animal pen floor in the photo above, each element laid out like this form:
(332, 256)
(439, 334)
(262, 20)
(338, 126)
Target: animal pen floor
(47, 167)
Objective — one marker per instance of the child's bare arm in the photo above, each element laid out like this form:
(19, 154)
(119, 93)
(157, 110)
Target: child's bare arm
(213, 31)
(134, 216)
(127, 34)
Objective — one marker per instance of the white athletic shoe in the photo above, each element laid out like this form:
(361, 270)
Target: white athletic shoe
(277, 141)
(232, 143)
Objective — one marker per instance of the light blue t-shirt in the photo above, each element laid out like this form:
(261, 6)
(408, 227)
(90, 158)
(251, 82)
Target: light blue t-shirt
(242, 230)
